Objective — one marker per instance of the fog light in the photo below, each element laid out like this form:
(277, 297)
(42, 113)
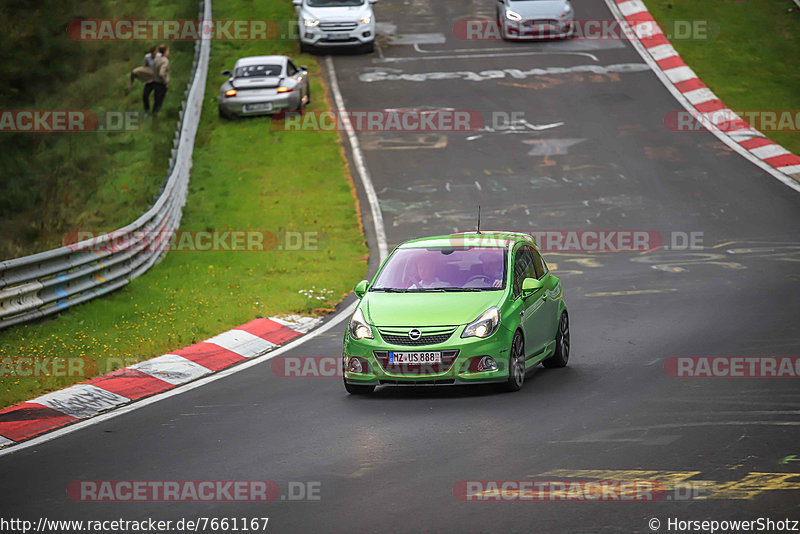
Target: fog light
(309, 35)
(355, 366)
(487, 363)
(366, 34)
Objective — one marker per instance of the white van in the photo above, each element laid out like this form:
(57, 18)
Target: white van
(335, 23)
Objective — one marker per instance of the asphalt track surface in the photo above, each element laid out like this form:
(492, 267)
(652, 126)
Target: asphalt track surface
(389, 462)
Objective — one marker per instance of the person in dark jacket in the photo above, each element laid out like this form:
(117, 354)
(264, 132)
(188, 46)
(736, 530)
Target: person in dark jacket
(160, 77)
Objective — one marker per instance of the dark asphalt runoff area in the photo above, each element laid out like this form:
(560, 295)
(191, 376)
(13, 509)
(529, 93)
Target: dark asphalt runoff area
(390, 462)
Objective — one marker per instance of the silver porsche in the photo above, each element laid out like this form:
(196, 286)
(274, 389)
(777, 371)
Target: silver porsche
(263, 85)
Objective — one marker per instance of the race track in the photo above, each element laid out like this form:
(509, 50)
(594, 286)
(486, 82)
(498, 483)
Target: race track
(600, 158)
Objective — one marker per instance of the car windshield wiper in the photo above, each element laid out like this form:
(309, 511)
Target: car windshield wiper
(458, 289)
(389, 289)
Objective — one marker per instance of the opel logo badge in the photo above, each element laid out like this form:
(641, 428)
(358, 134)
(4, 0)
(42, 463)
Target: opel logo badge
(414, 334)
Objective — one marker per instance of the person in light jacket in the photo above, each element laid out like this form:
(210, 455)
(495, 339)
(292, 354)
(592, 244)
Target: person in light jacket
(160, 77)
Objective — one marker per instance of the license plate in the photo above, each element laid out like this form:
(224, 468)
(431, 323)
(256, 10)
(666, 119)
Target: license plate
(337, 37)
(415, 357)
(258, 107)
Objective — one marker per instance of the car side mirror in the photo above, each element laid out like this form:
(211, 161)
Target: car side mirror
(531, 285)
(373, 1)
(303, 67)
(227, 73)
(361, 288)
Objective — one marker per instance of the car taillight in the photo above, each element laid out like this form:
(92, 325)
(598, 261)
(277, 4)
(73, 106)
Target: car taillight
(282, 89)
(230, 92)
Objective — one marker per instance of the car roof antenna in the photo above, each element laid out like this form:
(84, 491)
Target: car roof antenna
(479, 219)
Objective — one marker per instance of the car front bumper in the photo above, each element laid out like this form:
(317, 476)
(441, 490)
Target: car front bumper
(336, 36)
(463, 351)
(526, 31)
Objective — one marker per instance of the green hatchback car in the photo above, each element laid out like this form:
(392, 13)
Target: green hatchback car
(467, 308)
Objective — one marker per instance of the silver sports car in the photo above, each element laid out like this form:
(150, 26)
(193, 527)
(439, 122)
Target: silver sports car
(263, 85)
(535, 19)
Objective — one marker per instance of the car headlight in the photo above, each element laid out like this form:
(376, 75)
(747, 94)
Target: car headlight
(513, 15)
(359, 328)
(366, 20)
(309, 22)
(485, 325)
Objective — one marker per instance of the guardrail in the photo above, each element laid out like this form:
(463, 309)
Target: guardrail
(45, 283)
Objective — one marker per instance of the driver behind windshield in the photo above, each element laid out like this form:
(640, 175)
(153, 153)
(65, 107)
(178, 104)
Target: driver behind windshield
(427, 275)
(492, 267)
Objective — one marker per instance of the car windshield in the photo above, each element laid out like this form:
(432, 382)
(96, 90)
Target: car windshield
(257, 71)
(443, 269)
(334, 3)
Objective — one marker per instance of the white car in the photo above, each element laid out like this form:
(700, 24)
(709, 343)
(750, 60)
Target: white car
(335, 23)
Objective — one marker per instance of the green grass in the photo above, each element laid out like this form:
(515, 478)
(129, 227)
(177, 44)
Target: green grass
(246, 176)
(752, 61)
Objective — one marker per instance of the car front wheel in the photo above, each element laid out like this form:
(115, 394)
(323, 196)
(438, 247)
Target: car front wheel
(561, 355)
(516, 364)
(358, 389)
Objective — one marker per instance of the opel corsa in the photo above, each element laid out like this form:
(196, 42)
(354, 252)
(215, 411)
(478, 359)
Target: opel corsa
(467, 308)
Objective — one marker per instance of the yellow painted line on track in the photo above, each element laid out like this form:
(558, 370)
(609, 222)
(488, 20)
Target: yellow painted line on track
(746, 488)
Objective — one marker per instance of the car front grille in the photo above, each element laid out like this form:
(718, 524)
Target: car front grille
(430, 336)
(338, 26)
(541, 22)
(448, 357)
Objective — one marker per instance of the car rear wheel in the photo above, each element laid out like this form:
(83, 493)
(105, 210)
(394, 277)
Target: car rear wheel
(224, 114)
(516, 364)
(561, 355)
(358, 389)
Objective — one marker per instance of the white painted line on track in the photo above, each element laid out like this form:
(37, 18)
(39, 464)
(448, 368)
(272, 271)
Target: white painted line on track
(663, 51)
(730, 142)
(488, 55)
(680, 74)
(699, 96)
(172, 369)
(361, 167)
(81, 400)
(242, 343)
(298, 323)
(791, 169)
(769, 151)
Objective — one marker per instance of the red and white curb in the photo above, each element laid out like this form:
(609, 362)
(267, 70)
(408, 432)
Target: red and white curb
(88, 399)
(704, 101)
